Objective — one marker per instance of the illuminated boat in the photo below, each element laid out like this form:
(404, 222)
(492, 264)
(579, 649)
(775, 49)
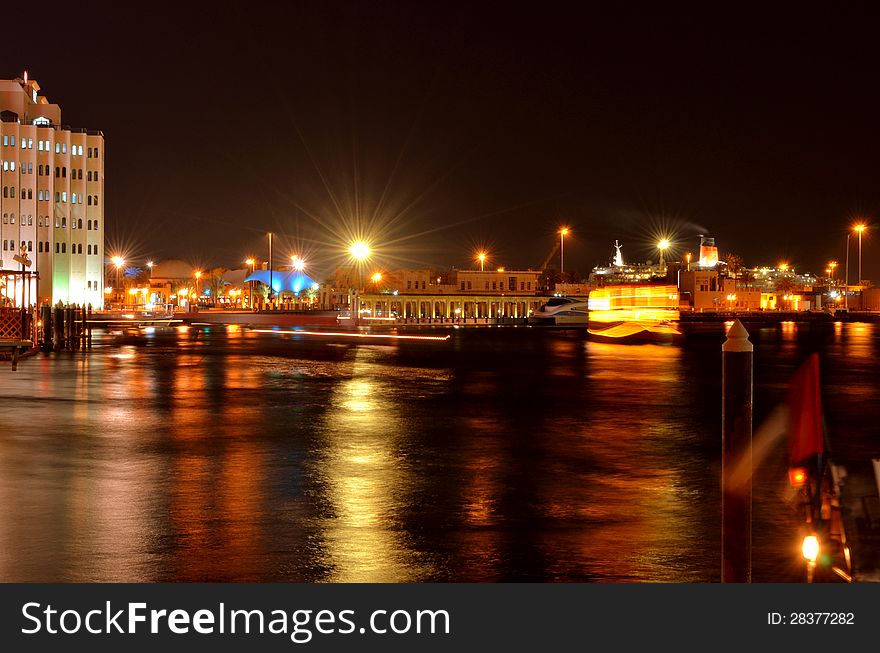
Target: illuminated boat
(634, 313)
(561, 310)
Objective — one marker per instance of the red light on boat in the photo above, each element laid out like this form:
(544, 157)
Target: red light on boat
(797, 476)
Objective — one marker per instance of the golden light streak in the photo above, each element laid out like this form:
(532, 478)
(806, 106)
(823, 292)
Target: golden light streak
(342, 334)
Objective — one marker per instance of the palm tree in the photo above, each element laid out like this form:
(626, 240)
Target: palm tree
(734, 263)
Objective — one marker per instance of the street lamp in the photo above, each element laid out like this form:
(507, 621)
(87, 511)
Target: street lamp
(297, 263)
(198, 276)
(832, 265)
(359, 250)
(118, 261)
(481, 257)
(562, 234)
(846, 274)
(251, 263)
(687, 257)
(663, 245)
(859, 229)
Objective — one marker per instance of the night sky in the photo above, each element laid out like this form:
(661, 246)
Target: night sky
(440, 128)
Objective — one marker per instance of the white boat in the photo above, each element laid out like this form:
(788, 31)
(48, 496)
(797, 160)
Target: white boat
(561, 310)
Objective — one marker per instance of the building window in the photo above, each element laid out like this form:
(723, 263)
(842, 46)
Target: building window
(64, 148)
(40, 247)
(96, 225)
(57, 148)
(12, 141)
(96, 200)
(24, 143)
(30, 220)
(79, 224)
(30, 245)
(11, 218)
(30, 193)
(73, 198)
(30, 168)
(57, 248)
(64, 172)
(47, 247)
(89, 225)
(64, 196)
(63, 223)
(462, 285)
(40, 145)
(30, 143)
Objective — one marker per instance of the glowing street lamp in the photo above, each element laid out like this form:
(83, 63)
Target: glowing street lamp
(118, 261)
(859, 228)
(663, 245)
(198, 276)
(359, 250)
(687, 257)
(562, 234)
(481, 257)
(297, 263)
(783, 267)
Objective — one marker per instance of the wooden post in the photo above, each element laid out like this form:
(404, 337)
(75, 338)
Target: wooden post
(736, 457)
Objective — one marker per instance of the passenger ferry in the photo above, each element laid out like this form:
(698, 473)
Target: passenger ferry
(561, 310)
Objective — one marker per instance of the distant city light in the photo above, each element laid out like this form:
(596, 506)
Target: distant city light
(377, 277)
(663, 244)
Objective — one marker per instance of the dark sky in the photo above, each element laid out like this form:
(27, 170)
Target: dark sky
(438, 128)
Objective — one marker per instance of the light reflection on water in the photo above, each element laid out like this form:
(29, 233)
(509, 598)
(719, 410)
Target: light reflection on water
(505, 454)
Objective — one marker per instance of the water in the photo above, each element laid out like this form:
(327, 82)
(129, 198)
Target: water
(502, 454)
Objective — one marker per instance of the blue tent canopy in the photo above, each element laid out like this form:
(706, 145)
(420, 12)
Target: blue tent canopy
(283, 280)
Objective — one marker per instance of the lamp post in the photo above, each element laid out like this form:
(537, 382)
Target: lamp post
(481, 257)
(859, 229)
(663, 245)
(359, 250)
(846, 274)
(252, 263)
(198, 276)
(832, 265)
(562, 234)
(118, 261)
(688, 259)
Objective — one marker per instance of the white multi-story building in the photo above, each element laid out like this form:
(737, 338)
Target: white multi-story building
(52, 201)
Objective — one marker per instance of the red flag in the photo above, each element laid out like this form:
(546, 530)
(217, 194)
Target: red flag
(805, 413)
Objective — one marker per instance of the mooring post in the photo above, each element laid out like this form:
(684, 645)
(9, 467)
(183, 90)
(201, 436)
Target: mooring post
(736, 456)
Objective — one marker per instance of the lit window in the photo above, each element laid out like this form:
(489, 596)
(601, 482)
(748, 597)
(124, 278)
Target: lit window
(12, 165)
(12, 141)
(24, 143)
(30, 245)
(64, 148)
(63, 223)
(5, 142)
(30, 143)
(64, 196)
(73, 198)
(57, 149)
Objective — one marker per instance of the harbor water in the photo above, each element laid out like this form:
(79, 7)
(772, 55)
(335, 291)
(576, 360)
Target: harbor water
(500, 454)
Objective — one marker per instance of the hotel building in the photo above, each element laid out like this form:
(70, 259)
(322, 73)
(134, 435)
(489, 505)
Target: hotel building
(52, 201)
